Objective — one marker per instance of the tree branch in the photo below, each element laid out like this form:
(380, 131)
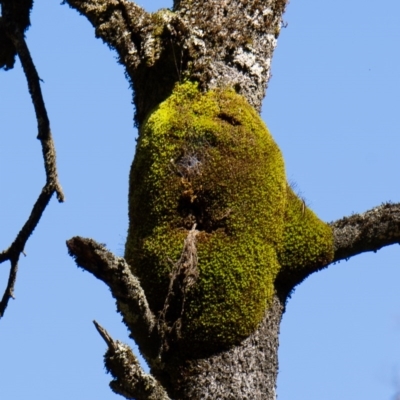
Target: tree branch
(359, 233)
(143, 42)
(369, 231)
(215, 42)
(184, 275)
(130, 380)
(120, 23)
(44, 135)
(17, 13)
(9, 291)
(125, 288)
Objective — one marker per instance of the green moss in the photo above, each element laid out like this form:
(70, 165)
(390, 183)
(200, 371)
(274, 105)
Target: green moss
(307, 241)
(207, 158)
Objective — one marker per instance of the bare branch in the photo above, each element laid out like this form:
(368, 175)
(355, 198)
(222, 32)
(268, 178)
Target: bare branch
(359, 233)
(44, 135)
(125, 288)
(130, 380)
(105, 335)
(369, 231)
(120, 23)
(215, 42)
(9, 291)
(142, 41)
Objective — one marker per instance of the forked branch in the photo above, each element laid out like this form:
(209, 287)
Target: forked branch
(49, 156)
(151, 333)
(214, 42)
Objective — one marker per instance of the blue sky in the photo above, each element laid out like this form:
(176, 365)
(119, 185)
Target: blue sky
(333, 108)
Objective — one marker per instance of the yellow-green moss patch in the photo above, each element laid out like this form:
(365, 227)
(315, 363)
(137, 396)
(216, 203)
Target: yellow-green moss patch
(208, 159)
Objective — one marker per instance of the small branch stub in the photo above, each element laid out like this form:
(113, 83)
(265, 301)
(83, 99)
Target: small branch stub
(130, 380)
(104, 334)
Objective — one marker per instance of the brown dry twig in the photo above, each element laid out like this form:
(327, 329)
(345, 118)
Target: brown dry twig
(183, 276)
(52, 185)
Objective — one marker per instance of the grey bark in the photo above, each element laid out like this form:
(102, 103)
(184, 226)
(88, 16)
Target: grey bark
(217, 43)
(247, 371)
(236, 40)
(125, 287)
(369, 231)
(133, 382)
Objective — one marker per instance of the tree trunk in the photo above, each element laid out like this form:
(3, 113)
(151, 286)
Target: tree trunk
(219, 44)
(247, 371)
(219, 50)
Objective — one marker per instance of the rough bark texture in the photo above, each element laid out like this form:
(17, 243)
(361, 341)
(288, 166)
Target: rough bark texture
(218, 43)
(247, 371)
(236, 40)
(126, 289)
(130, 379)
(369, 231)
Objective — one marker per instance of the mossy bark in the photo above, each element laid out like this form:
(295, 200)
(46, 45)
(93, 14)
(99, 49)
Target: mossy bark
(207, 159)
(247, 371)
(206, 164)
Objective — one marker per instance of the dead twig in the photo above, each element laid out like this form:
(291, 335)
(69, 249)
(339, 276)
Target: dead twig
(183, 277)
(129, 380)
(125, 288)
(49, 156)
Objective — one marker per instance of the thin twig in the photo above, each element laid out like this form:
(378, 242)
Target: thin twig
(44, 133)
(9, 291)
(49, 156)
